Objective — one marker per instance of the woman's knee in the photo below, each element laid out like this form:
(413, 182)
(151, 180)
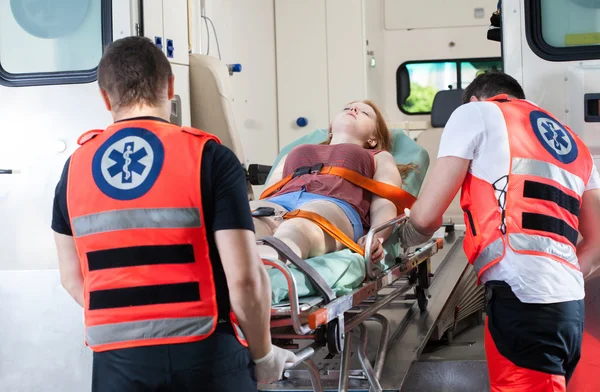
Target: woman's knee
(297, 228)
(307, 236)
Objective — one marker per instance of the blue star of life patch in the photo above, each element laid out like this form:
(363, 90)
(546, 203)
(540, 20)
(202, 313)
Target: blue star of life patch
(553, 137)
(126, 166)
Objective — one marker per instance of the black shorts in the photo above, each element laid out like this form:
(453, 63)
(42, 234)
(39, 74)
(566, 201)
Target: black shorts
(542, 337)
(217, 364)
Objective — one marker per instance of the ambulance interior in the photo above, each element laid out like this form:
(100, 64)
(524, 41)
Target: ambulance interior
(264, 75)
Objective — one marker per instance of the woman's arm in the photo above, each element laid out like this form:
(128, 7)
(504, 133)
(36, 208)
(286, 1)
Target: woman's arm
(383, 210)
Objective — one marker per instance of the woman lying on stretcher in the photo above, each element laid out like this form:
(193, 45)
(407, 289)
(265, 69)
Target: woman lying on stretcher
(359, 140)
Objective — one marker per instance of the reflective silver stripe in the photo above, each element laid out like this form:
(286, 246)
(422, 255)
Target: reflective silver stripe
(543, 244)
(148, 329)
(489, 254)
(142, 218)
(548, 171)
(526, 242)
(239, 332)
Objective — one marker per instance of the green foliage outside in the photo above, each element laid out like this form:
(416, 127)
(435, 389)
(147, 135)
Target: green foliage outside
(420, 99)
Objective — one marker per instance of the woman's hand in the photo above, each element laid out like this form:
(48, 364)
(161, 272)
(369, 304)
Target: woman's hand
(376, 248)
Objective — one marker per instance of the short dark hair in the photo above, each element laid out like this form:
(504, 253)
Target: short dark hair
(133, 71)
(493, 83)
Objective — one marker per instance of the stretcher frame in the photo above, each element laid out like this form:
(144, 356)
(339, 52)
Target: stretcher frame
(329, 323)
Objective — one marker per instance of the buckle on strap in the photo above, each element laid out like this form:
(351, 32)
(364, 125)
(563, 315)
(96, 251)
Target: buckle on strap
(308, 170)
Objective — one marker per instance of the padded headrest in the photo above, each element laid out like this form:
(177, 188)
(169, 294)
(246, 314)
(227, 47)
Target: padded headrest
(210, 99)
(404, 149)
(444, 103)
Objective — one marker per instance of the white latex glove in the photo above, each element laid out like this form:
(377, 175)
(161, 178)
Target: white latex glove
(270, 367)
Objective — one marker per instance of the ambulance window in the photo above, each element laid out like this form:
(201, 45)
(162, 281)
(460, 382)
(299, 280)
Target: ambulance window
(563, 30)
(52, 42)
(417, 82)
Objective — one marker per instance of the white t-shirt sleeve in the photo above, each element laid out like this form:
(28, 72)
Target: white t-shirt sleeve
(594, 182)
(463, 132)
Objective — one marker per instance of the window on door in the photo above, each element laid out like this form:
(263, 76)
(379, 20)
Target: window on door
(418, 82)
(52, 42)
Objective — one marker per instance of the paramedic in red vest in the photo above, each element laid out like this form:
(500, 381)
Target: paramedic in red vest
(155, 241)
(529, 187)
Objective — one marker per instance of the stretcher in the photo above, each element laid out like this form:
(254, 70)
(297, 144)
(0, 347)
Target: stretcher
(315, 308)
(322, 299)
(318, 301)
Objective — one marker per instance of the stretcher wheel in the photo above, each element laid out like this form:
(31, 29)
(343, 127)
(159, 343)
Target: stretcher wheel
(335, 337)
(422, 299)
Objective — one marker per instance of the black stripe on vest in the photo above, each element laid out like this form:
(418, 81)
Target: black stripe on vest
(136, 256)
(549, 224)
(537, 190)
(145, 295)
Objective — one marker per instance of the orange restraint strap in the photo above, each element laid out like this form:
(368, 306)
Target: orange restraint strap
(327, 227)
(398, 196)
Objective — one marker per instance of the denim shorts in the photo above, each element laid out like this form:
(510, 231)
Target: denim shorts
(294, 200)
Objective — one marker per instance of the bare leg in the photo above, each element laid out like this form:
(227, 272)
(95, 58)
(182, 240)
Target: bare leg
(267, 225)
(305, 238)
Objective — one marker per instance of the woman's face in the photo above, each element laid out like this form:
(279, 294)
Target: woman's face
(358, 119)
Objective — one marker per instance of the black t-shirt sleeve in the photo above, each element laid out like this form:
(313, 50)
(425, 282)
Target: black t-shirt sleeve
(60, 215)
(225, 195)
(224, 182)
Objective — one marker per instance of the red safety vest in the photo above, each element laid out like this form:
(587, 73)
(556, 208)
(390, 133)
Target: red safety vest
(135, 206)
(538, 205)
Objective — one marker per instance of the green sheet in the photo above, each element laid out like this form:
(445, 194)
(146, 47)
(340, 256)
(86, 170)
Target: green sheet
(344, 270)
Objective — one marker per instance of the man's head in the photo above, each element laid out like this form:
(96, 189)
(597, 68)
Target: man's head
(134, 75)
(490, 84)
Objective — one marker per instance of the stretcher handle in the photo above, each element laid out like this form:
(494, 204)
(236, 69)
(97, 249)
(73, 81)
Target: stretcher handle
(313, 276)
(303, 355)
(371, 236)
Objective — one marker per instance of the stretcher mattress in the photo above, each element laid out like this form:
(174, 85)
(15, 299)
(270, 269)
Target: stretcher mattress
(344, 270)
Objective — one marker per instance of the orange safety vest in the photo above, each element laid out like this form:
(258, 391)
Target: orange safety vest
(398, 196)
(538, 206)
(135, 206)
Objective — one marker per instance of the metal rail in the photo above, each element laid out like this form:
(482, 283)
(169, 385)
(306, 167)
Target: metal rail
(360, 317)
(369, 241)
(345, 365)
(299, 328)
(383, 343)
(364, 360)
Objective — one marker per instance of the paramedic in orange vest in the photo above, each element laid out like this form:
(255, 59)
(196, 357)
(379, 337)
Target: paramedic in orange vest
(529, 188)
(155, 241)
